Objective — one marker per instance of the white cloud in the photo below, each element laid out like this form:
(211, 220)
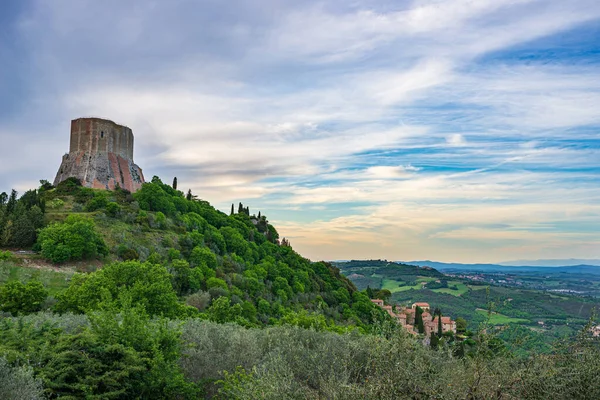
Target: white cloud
(313, 104)
(456, 139)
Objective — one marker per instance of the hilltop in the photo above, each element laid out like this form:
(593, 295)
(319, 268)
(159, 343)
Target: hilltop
(386, 274)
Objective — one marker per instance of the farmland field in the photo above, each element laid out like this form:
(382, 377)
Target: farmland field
(499, 319)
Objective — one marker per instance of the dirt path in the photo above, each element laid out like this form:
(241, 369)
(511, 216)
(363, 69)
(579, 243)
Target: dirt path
(41, 264)
(30, 259)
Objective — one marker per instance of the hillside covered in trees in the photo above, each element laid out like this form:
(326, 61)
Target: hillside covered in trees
(203, 254)
(158, 295)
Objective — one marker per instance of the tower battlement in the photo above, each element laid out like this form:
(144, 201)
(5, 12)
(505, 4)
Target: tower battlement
(101, 156)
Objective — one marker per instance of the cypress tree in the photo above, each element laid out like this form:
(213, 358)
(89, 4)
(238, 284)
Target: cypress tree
(419, 320)
(189, 196)
(6, 234)
(240, 208)
(434, 341)
(231, 213)
(175, 183)
(440, 330)
(12, 202)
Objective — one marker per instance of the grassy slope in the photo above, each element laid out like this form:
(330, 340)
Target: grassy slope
(53, 280)
(461, 289)
(500, 319)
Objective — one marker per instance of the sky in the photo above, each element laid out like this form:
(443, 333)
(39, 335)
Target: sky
(456, 130)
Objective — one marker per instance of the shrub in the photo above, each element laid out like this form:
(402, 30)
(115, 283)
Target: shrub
(75, 239)
(96, 203)
(18, 383)
(70, 185)
(56, 203)
(17, 298)
(199, 300)
(117, 356)
(5, 255)
(126, 253)
(112, 209)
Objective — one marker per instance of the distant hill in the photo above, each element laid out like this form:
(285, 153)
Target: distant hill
(372, 272)
(574, 269)
(552, 262)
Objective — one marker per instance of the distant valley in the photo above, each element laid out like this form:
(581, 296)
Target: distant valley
(551, 302)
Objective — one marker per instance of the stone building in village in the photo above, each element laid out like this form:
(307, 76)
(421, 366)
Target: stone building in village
(406, 317)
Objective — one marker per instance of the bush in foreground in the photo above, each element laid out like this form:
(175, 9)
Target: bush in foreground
(17, 298)
(295, 363)
(75, 239)
(18, 383)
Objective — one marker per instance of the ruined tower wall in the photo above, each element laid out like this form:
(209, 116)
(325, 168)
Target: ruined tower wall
(95, 135)
(101, 156)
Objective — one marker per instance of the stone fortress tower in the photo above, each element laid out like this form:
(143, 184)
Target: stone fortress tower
(101, 156)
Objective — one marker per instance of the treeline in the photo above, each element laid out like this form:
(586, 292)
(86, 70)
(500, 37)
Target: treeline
(21, 217)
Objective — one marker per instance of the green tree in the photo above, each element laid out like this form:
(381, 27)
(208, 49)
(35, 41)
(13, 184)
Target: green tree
(434, 341)
(185, 279)
(45, 185)
(203, 256)
(147, 285)
(17, 298)
(153, 197)
(123, 355)
(75, 239)
(214, 240)
(221, 310)
(212, 283)
(12, 202)
(234, 241)
(25, 226)
(419, 320)
(383, 294)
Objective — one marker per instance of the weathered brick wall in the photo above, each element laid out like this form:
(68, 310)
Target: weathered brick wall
(95, 135)
(101, 156)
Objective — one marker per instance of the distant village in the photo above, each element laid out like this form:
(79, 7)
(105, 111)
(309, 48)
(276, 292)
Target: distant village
(406, 316)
